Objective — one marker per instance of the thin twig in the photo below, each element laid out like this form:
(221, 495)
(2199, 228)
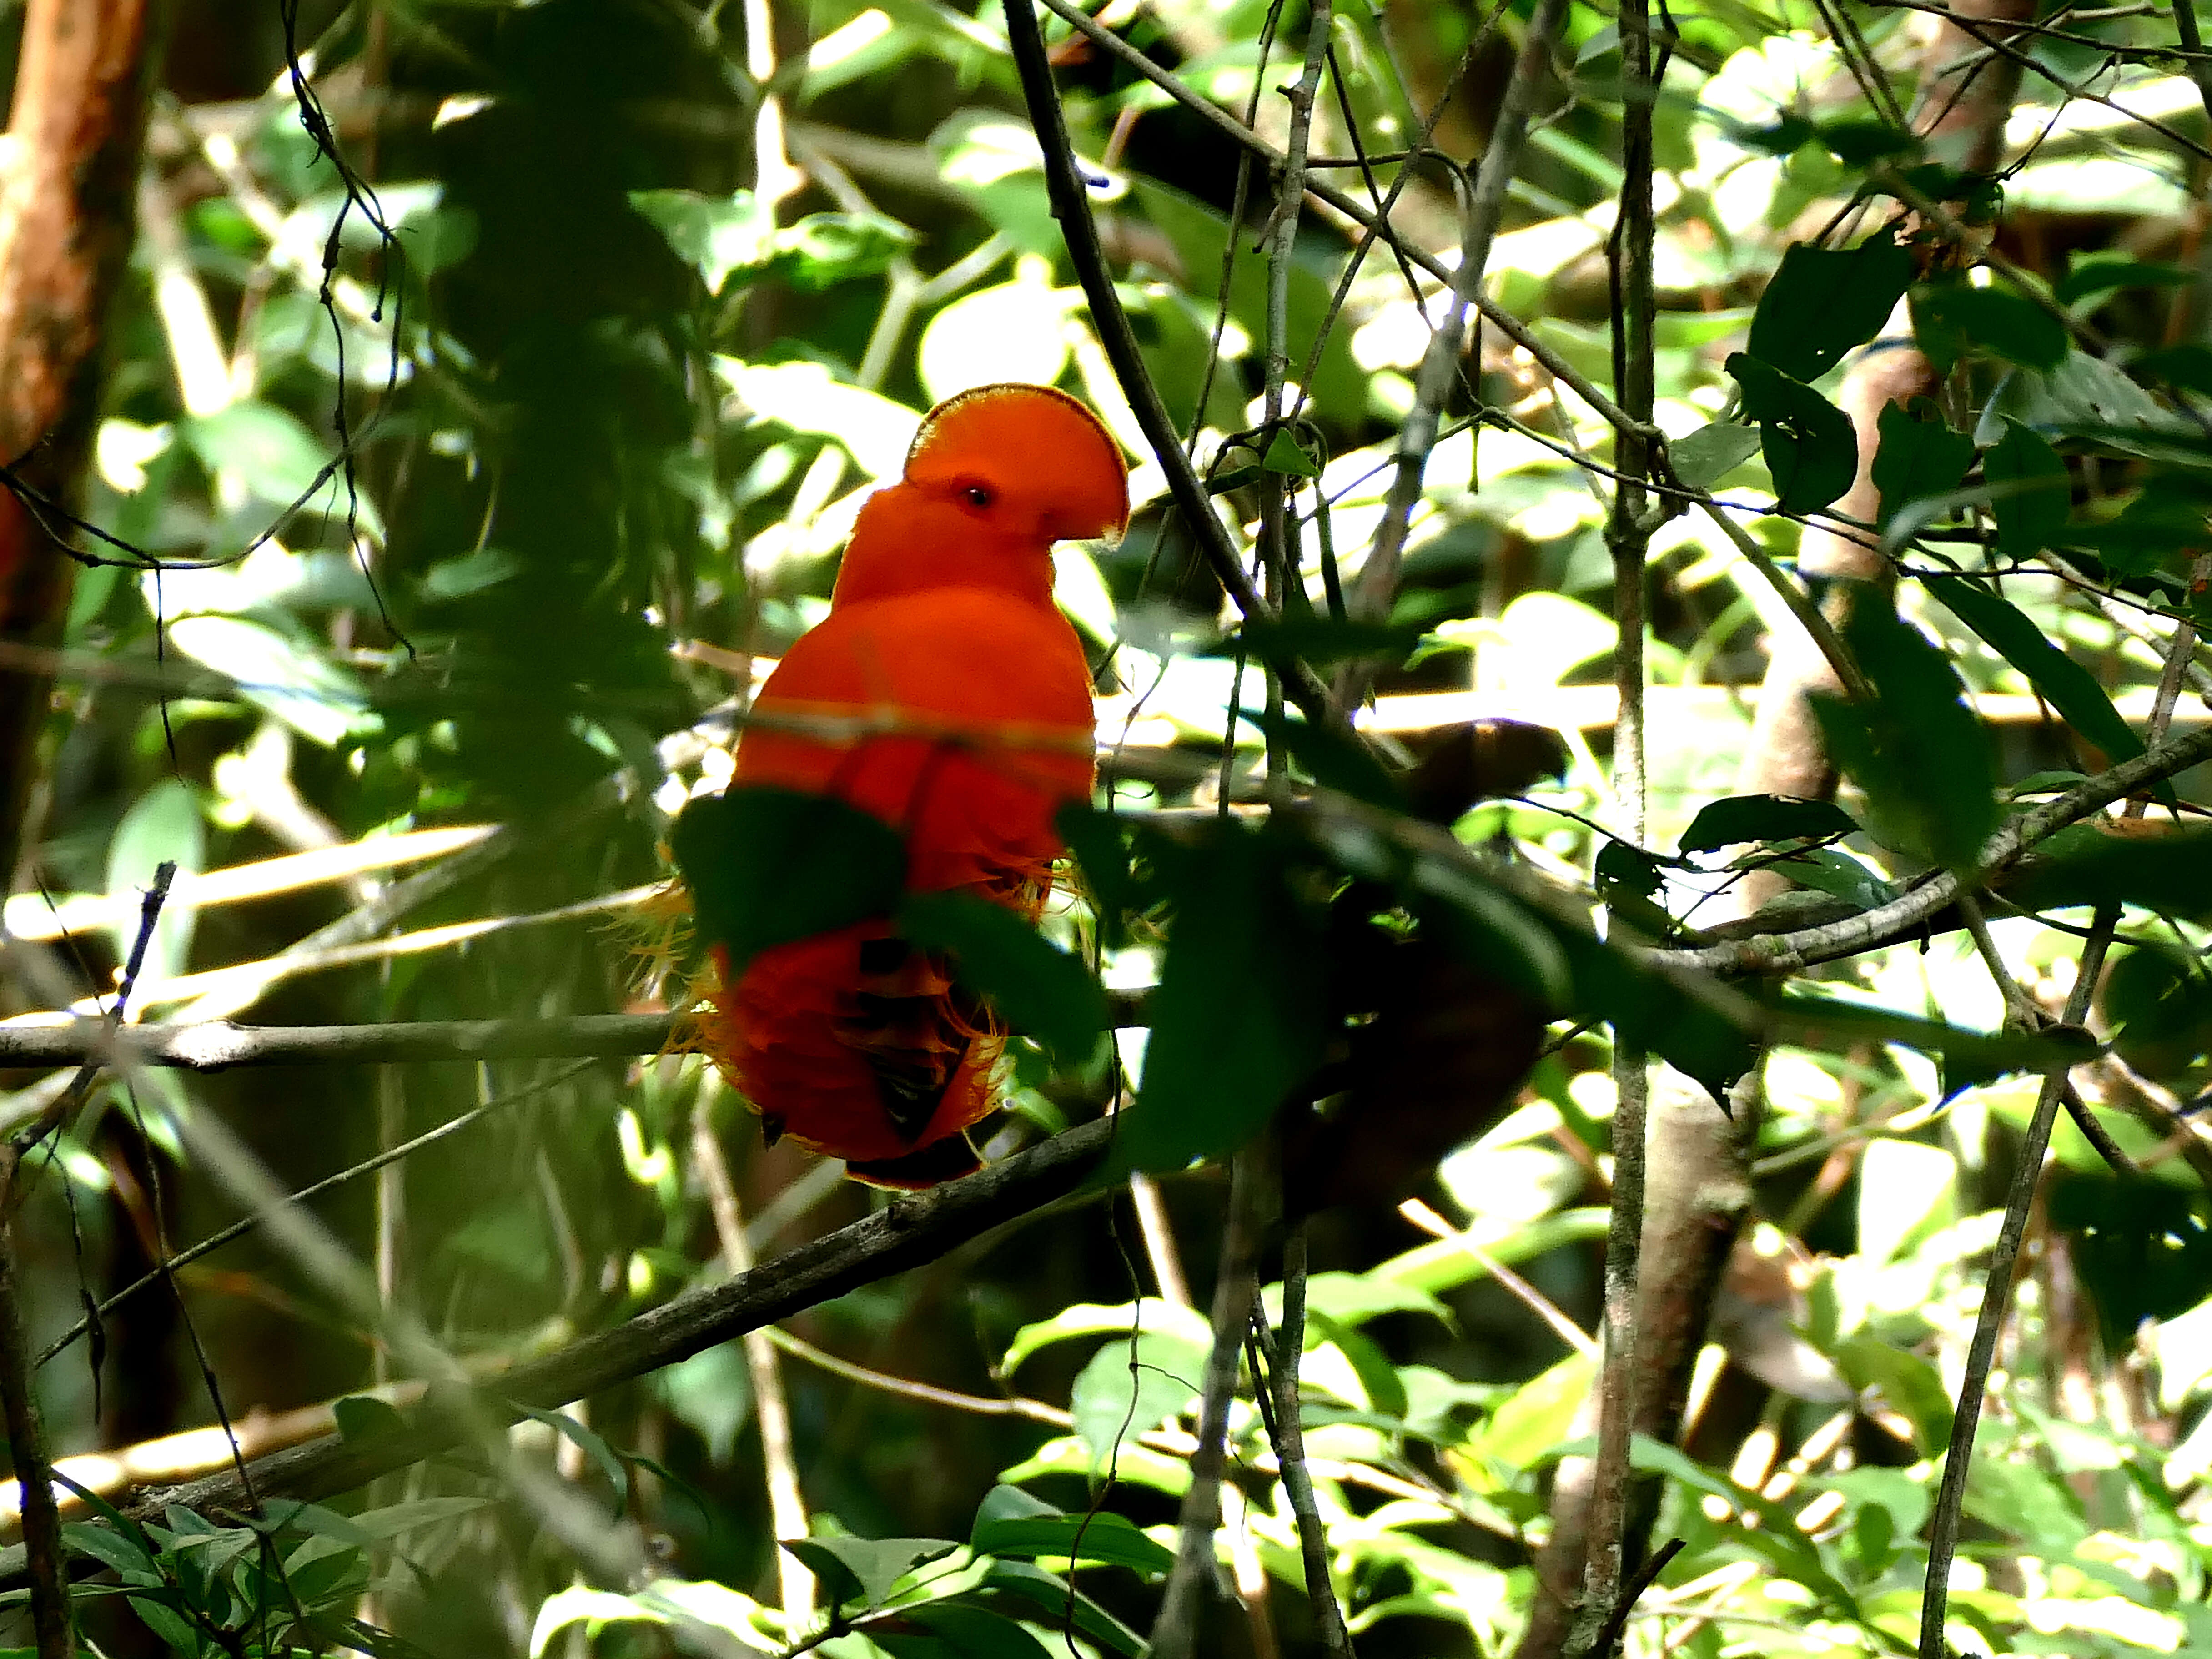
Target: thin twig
(1481, 209)
(1175, 1631)
(1511, 327)
(787, 1503)
(1072, 208)
(1290, 1436)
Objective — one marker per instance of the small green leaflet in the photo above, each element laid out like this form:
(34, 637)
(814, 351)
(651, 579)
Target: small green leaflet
(2028, 491)
(1917, 459)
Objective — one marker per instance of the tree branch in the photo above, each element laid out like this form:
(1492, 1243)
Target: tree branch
(912, 1230)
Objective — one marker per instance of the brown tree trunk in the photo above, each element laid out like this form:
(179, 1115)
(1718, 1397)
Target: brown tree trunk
(66, 200)
(67, 204)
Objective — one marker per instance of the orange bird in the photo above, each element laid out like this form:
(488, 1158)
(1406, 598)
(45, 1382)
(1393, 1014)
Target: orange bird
(853, 1042)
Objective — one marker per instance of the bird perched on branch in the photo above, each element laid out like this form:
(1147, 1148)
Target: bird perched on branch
(946, 697)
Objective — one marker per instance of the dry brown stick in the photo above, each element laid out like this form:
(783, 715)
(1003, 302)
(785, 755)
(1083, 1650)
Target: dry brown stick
(42, 1521)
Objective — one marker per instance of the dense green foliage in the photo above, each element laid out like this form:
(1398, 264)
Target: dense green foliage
(560, 406)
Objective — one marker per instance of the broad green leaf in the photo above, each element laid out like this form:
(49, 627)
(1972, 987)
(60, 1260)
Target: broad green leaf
(1918, 458)
(1038, 987)
(1827, 870)
(1951, 318)
(2188, 366)
(1130, 1389)
(2028, 491)
(1702, 458)
(1378, 1377)
(1812, 451)
(1049, 1591)
(1237, 1018)
(1286, 455)
(2094, 276)
(766, 866)
(1352, 1299)
(713, 234)
(1917, 751)
(104, 1544)
(2072, 688)
(267, 449)
(1534, 1419)
(2084, 397)
(1740, 818)
(293, 681)
(1064, 1541)
(861, 1572)
(1095, 1319)
(1823, 301)
(968, 1632)
(1907, 1382)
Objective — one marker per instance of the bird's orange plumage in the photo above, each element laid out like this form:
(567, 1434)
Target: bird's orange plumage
(942, 620)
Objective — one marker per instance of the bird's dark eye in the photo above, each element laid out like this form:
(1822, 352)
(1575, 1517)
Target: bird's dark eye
(978, 495)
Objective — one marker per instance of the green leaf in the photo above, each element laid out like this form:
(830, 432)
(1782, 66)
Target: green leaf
(1094, 1319)
(2188, 366)
(268, 449)
(1823, 301)
(1702, 458)
(283, 676)
(1825, 870)
(1917, 751)
(1287, 456)
(1049, 1591)
(166, 1622)
(1130, 1389)
(766, 866)
(1951, 318)
(1907, 1382)
(2092, 277)
(713, 234)
(1832, 1025)
(970, 1633)
(1068, 1539)
(1038, 987)
(1740, 818)
(104, 1545)
(1812, 451)
(1378, 1377)
(861, 1572)
(2086, 398)
(2028, 491)
(1237, 1018)
(1917, 459)
(588, 1441)
(2069, 688)
(364, 1416)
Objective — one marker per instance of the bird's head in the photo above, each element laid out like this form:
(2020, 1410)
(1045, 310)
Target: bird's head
(995, 477)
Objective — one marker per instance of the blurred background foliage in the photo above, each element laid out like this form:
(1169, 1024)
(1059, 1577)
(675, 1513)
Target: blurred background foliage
(647, 294)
